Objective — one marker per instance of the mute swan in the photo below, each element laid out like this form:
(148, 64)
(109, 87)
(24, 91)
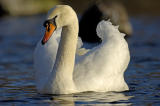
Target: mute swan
(103, 9)
(99, 69)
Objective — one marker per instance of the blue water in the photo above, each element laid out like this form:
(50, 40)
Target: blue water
(18, 37)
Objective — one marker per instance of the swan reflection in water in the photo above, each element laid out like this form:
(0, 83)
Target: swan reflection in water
(88, 98)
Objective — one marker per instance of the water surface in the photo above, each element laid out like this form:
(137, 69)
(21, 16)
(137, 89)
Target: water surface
(18, 38)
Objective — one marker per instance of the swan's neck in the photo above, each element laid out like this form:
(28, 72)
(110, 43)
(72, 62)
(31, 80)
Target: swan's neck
(66, 51)
(64, 64)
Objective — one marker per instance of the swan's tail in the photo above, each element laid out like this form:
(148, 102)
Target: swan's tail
(106, 29)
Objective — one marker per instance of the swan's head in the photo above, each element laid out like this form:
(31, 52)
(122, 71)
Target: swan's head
(59, 16)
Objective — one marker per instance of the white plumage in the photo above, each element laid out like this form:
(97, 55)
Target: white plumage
(100, 69)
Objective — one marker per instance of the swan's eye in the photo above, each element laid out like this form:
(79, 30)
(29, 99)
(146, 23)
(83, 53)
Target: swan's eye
(54, 20)
(45, 23)
(48, 22)
(48, 27)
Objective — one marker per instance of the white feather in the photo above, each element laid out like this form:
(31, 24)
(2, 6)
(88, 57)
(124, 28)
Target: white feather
(100, 69)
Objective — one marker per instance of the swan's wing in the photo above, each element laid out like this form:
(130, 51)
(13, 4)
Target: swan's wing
(106, 60)
(79, 43)
(80, 51)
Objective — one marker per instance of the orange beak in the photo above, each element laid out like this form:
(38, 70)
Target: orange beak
(49, 30)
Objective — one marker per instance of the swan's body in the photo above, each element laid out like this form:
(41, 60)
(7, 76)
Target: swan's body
(100, 69)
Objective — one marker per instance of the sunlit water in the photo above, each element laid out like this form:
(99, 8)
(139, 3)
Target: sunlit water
(18, 37)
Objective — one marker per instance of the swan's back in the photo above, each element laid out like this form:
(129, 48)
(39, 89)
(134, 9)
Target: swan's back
(102, 68)
(106, 29)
